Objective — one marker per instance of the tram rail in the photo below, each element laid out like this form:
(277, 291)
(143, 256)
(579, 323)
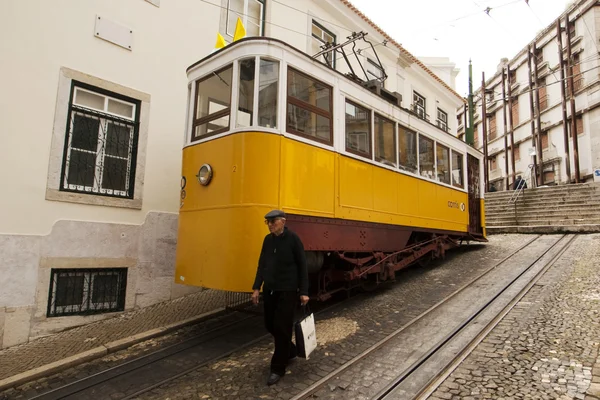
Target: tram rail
(391, 390)
(145, 373)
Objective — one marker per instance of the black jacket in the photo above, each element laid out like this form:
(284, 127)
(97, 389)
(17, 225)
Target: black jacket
(282, 264)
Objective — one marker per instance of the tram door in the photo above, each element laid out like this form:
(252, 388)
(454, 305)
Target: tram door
(474, 195)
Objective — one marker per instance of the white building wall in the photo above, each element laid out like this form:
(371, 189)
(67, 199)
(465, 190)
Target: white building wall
(47, 45)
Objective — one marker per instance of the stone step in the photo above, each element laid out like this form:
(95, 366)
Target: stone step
(549, 198)
(543, 221)
(529, 195)
(527, 192)
(549, 222)
(544, 203)
(551, 189)
(562, 189)
(544, 229)
(541, 215)
(549, 208)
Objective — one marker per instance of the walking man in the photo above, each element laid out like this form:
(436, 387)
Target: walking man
(282, 269)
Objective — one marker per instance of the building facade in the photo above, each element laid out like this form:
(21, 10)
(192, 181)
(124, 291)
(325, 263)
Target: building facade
(527, 131)
(92, 113)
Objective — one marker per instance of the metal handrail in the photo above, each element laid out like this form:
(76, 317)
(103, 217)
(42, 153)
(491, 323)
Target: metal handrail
(520, 187)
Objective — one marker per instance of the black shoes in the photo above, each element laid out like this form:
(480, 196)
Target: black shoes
(273, 379)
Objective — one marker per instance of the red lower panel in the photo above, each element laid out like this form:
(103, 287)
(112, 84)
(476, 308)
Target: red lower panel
(342, 235)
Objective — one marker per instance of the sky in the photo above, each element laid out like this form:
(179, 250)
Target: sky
(462, 30)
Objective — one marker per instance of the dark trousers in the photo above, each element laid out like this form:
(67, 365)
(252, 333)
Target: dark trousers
(279, 321)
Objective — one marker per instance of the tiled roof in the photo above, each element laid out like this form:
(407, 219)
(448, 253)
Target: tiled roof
(405, 52)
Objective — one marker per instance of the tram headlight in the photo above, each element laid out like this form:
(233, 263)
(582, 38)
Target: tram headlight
(205, 174)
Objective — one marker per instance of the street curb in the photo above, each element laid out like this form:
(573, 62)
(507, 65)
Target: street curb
(101, 351)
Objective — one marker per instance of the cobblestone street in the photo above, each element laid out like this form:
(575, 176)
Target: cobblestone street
(365, 320)
(547, 346)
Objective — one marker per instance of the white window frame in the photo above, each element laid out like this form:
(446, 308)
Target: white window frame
(442, 122)
(373, 66)
(420, 109)
(66, 78)
(321, 40)
(244, 16)
(100, 154)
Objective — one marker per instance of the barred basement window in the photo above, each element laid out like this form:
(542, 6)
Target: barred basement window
(100, 143)
(86, 291)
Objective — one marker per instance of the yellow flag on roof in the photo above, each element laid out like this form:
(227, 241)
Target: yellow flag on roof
(220, 42)
(240, 31)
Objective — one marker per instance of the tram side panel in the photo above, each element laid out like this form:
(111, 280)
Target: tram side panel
(370, 193)
(221, 225)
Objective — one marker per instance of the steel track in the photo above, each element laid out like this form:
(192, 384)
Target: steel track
(434, 382)
(387, 392)
(328, 378)
(112, 376)
(134, 364)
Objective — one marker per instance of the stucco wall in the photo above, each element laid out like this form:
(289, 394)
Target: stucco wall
(147, 250)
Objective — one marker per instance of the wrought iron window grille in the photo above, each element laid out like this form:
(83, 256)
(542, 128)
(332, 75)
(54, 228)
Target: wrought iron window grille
(86, 291)
(100, 151)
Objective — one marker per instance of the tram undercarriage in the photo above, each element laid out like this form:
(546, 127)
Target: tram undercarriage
(333, 272)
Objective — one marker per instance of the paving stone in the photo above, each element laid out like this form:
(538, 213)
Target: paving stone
(550, 338)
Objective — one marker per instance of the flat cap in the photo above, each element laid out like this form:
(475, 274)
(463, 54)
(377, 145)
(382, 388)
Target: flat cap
(275, 214)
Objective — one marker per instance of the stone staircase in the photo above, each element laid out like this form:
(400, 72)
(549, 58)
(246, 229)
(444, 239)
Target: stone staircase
(554, 209)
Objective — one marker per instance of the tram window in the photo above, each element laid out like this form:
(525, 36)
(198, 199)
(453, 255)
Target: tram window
(309, 107)
(407, 149)
(358, 129)
(426, 167)
(268, 87)
(457, 170)
(246, 92)
(385, 141)
(443, 163)
(213, 103)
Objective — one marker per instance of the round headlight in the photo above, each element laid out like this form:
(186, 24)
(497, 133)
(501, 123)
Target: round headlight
(205, 174)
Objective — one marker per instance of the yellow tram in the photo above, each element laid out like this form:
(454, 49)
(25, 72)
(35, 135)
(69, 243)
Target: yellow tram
(368, 186)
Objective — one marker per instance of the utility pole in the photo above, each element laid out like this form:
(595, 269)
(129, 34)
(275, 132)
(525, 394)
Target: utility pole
(505, 130)
(469, 133)
(486, 177)
(531, 109)
(572, 96)
(512, 125)
(564, 101)
(539, 121)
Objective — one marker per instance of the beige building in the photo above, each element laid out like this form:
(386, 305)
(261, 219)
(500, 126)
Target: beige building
(528, 112)
(92, 113)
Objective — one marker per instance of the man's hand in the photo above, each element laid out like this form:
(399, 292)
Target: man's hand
(255, 295)
(304, 300)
